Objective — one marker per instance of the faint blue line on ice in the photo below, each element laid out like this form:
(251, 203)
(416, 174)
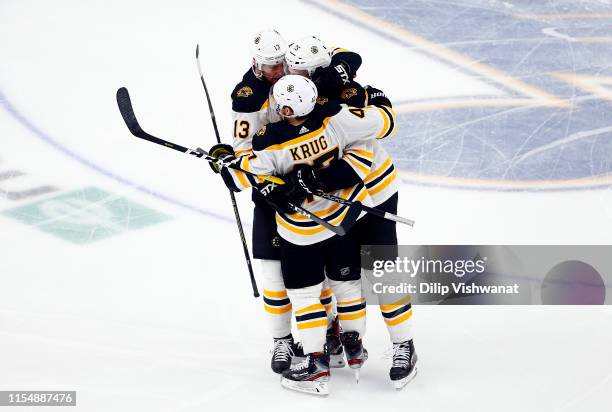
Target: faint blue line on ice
(65, 150)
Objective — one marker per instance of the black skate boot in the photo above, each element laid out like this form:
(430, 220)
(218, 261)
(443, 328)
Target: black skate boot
(282, 354)
(310, 375)
(356, 354)
(404, 367)
(334, 345)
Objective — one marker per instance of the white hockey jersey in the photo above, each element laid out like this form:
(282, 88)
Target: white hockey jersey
(332, 132)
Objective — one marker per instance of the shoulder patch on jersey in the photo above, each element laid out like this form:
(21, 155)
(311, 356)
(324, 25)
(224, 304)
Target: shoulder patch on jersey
(244, 91)
(261, 131)
(322, 100)
(348, 93)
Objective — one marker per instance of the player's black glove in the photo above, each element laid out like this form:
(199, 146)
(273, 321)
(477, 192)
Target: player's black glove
(332, 78)
(221, 151)
(305, 181)
(279, 196)
(376, 97)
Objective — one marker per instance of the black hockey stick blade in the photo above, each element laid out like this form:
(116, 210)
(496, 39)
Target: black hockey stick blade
(351, 217)
(127, 112)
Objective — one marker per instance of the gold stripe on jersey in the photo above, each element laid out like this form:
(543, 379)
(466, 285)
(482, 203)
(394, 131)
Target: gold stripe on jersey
(265, 105)
(378, 171)
(388, 116)
(297, 140)
(381, 178)
(243, 152)
(242, 179)
(384, 183)
(325, 212)
(355, 164)
(363, 153)
(304, 229)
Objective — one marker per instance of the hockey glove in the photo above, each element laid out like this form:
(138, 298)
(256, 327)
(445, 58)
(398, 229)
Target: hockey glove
(332, 78)
(221, 151)
(304, 181)
(376, 97)
(279, 196)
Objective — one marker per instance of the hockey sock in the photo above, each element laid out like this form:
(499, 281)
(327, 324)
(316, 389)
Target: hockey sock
(310, 317)
(397, 316)
(276, 301)
(327, 302)
(351, 305)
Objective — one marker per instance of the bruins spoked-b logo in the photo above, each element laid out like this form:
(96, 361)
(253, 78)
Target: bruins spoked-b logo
(290, 88)
(245, 91)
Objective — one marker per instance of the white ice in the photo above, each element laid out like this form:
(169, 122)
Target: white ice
(162, 318)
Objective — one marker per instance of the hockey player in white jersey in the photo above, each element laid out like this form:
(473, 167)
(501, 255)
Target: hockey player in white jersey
(251, 110)
(317, 147)
(311, 58)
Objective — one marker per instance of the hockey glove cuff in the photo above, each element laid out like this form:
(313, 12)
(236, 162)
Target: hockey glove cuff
(376, 97)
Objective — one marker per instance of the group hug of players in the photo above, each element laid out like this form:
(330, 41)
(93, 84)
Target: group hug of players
(299, 114)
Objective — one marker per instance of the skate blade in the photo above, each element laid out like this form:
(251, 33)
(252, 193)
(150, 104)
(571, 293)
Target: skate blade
(404, 381)
(320, 388)
(336, 361)
(358, 363)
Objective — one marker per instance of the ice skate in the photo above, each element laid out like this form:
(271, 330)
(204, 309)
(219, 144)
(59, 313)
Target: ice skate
(334, 345)
(404, 367)
(310, 375)
(356, 354)
(282, 354)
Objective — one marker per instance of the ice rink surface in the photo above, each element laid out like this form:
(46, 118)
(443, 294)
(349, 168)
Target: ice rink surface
(121, 274)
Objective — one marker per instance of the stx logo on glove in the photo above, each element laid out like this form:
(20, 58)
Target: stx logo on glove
(343, 74)
(267, 189)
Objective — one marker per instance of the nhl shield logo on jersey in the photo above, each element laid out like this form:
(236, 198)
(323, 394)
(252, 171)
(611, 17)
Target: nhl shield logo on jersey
(348, 93)
(245, 91)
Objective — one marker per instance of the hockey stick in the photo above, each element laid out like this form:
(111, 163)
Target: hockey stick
(245, 247)
(372, 210)
(127, 112)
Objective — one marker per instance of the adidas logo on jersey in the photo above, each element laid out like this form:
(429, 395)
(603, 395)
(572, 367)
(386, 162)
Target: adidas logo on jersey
(304, 130)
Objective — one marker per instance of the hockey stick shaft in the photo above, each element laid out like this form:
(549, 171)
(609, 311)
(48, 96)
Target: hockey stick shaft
(127, 112)
(245, 247)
